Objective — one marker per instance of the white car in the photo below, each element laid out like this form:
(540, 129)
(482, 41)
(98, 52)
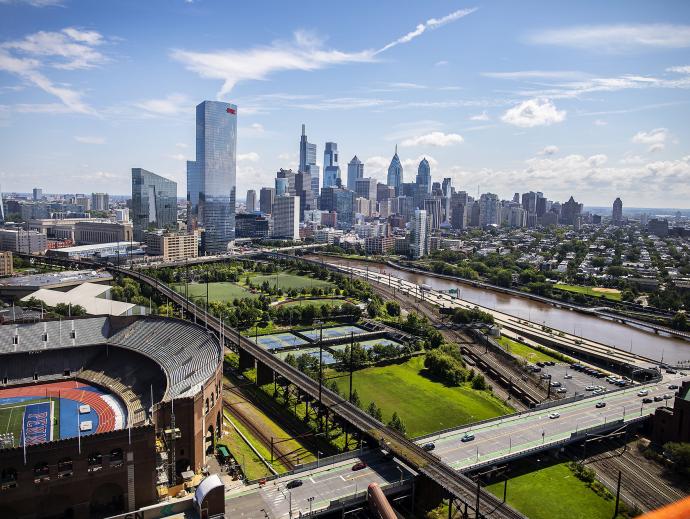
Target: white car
(643, 392)
(554, 415)
(590, 388)
(567, 377)
(562, 390)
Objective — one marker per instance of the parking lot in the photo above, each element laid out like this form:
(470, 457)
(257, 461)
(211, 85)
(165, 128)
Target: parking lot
(577, 381)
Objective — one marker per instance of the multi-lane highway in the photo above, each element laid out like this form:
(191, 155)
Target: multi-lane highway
(320, 487)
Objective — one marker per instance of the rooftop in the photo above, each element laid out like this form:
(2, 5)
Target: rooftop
(56, 278)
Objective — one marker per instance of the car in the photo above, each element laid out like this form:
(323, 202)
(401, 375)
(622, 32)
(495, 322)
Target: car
(545, 375)
(574, 366)
(643, 392)
(658, 398)
(590, 388)
(294, 483)
(667, 396)
(359, 465)
(467, 437)
(541, 364)
(673, 386)
(647, 400)
(428, 447)
(567, 377)
(600, 405)
(562, 390)
(671, 371)
(598, 391)
(554, 415)
(555, 384)
(550, 363)
(536, 369)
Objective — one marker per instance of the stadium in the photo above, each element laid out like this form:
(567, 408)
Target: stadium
(82, 400)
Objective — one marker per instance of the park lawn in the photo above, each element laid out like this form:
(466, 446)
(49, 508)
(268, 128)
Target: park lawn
(589, 291)
(252, 466)
(553, 492)
(423, 405)
(217, 291)
(526, 352)
(288, 280)
(316, 302)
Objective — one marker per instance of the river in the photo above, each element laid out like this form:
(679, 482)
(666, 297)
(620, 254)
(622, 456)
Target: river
(625, 337)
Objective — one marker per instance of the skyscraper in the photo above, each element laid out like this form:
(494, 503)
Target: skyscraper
(489, 210)
(251, 201)
(211, 179)
(154, 202)
(419, 234)
(355, 170)
(37, 193)
(331, 170)
(424, 176)
(307, 160)
(303, 191)
(100, 201)
(286, 217)
(266, 197)
(617, 215)
(395, 173)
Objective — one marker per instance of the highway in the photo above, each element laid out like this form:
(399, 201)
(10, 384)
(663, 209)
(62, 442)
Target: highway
(441, 299)
(325, 484)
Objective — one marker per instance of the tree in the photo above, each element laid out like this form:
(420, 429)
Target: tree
(374, 411)
(397, 424)
(680, 321)
(393, 308)
(679, 453)
(354, 399)
(291, 360)
(479, 382)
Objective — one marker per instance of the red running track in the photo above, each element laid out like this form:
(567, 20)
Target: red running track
(70, 390)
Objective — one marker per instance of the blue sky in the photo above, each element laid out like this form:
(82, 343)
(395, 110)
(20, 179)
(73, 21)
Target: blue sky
(587, 98)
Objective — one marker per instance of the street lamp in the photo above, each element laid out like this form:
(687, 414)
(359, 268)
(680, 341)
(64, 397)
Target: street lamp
(401, 472)
(310, 499)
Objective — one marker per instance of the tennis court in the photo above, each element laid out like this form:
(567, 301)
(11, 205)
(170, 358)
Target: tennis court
(277, 341)
(313, 352)
(334, 332)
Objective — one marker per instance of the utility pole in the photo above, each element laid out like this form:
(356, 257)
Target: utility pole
(618, 494)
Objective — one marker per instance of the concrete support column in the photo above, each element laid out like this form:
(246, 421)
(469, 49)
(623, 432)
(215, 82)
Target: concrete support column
(246, 360)
(264, 374)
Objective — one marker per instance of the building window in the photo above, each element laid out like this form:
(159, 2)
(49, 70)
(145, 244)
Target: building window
(116, 458)
(41, 472)
(65, 468)
(8, 478)
(95, 461)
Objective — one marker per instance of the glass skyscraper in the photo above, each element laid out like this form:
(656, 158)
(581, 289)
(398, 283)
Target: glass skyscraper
(154, 202)
(331, 169)
(395, 174)
(424, 175)
(307, 161)
(355, 170)
(211, 179)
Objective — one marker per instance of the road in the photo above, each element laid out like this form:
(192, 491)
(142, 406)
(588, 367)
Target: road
(324, 485)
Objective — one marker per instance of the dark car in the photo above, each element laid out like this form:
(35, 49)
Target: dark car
(647, 400)
(467, 437)
(600, 405)
(428, 447)
(541, 364)
(658, 398)
(673, 386)
(294, 483)
(359, 465)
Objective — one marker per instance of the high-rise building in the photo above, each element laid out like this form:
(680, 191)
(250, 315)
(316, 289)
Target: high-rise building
(282, 187)
(286, 217)
(154, 202)
(266, 197)
(365, 187)
(475, 214)
(212, 177)
(419, 234)
(250, 202)
(307, 161)
(331, 169)
(570, 212)
(341, 201)
(355, 170)
(395, 173)
(303, 191)
(37, 193)
(100, 201)
(289, 177)
(617, 214)
(489, 210)
(424, 176)
(432, 206)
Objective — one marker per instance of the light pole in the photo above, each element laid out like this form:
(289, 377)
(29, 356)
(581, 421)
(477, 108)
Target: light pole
(401, 472)
(310, 499)
(318, 459)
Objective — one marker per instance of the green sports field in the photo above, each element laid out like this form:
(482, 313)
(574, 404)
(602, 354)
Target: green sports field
(524, 351)
(317, 302)
(608, 293)
(424, 405)
(219, 291)
(12, 417)
(287, 280)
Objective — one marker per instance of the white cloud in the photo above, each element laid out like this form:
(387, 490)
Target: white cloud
(172, 104)
(480, 117)
(441, 63)
(344, 103)
(305, 52)
(252, 156)
(411, 164)
(685, 69)
(536, 74)
(656, 139)
(34, 3)
(534, 112)
(600, 122)
(179, 156)
(616, 38)
(407, 86)
(438, 139)
(549, 150)
(90, 139)
(181, 145)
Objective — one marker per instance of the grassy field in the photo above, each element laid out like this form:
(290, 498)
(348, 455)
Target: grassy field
(252, 466)
(553, 492)
(288, 280)
(590, 291)
(220, 291)
(425, 406)
(524, 351)
(12, 417)
(317, 302)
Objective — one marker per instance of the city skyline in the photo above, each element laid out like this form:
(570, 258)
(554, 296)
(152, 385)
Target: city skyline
(589, 100)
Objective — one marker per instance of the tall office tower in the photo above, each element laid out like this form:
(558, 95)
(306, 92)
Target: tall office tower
(281, 186)
(432, 206)
(617, 214)
(447, 190)
(475, 214)
(307, 161)
(341, 201)
(424, 176)
(447, 187)
(355, 170)
(517, 217)
(37, 193)
(286, 217)
(289, 177)
(266, 197)
(489, 210)
(366, 188)
(458, 218)
(331, 169)
(516, 198)
(529, 202)
(212, 177)
(100, 201)
(570, 212)
(303, 191)
(384, 192)
(154, 202)
(419, 234)
(541, 206)
(250, 203)
(2, 207)
(395, 173)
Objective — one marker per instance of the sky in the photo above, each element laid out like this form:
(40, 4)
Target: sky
(587, 98)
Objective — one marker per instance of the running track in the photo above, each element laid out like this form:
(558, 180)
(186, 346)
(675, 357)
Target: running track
(71, 391)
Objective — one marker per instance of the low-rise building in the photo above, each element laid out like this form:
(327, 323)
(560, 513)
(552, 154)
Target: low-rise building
(6, 265)
(379, 244)
(23, 242)
(171, 246)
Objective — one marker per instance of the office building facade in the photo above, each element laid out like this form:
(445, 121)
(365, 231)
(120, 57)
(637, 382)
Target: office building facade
(100, 201)
(286, 217)
(212, 177)
(250, 201)
(419, 234)
(266, 197)
(307, 161)
(154, 202)
(424, 176)
(395, 174)
(355, 171)
(331, 169)
(617, 214)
